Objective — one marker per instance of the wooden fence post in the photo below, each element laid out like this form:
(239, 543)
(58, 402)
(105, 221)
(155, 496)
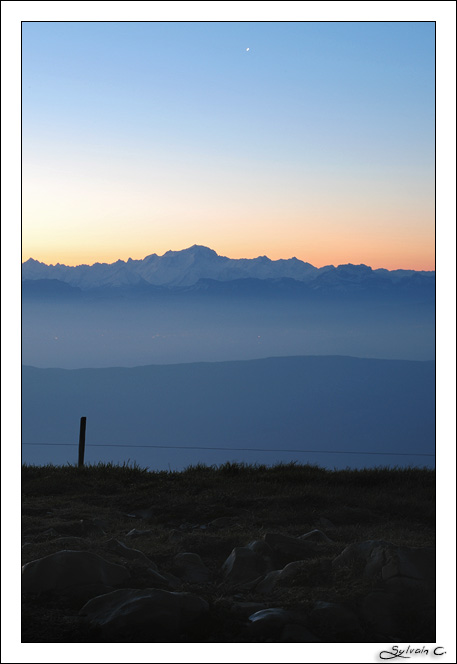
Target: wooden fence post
(82, 442)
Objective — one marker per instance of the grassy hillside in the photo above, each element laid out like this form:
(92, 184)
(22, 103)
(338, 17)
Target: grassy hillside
(97, 503)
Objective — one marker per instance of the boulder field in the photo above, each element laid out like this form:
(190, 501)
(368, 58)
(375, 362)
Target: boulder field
(258, 594)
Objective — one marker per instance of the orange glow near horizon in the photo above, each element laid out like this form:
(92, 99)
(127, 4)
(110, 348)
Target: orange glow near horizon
(91, 210)
(346, 227)
(333, 252)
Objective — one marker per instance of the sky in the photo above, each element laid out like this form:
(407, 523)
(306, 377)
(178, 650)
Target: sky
(306, 139)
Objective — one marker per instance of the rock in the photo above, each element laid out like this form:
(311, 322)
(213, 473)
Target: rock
(191, 568)
(243, 566)
(150, 613)
(223, 522)
(138, 533)
(370, 554)
(272, 578)
(187, 526)
(392, 563)
(288, 549)
(294, 633)
(68, 572)
(128, 553)
(379, 610)
(266, 585)
(50, 533)
(156, 577)
(261, 548)
(269, 623)
(245, 609)
(162, 579)
(315, 536)
(335, 621)
(414, 587)
(175, 536)
(412, 562)
(399, 614)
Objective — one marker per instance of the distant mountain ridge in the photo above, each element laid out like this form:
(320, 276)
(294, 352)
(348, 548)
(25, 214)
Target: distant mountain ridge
(201, 265)
(283, 403)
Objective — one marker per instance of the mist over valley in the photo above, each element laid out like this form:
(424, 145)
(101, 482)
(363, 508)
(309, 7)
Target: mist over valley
(106, 315)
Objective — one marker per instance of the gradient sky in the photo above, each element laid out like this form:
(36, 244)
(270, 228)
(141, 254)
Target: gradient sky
(317, 142)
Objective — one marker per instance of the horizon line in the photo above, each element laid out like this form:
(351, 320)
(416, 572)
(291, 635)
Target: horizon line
(200, 246)
(253, 359)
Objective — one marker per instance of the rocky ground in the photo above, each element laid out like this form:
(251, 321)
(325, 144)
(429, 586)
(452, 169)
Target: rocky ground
(236, 554)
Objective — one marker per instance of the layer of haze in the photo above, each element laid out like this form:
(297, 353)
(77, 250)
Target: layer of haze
(338, 404)
(318, 142)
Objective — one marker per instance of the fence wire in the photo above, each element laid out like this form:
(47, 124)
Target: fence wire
(232, 449)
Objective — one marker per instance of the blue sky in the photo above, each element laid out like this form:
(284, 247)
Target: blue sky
(317, 141)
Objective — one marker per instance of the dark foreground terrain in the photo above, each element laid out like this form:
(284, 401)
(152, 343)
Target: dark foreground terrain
(237, 553)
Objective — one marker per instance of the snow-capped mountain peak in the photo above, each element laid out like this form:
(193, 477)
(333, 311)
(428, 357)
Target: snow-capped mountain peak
(186, 267)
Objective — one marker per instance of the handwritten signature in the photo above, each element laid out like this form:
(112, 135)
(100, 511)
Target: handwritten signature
(408, 652)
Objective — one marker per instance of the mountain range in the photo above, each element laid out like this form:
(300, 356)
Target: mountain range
(194, 305)
(201, 268)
